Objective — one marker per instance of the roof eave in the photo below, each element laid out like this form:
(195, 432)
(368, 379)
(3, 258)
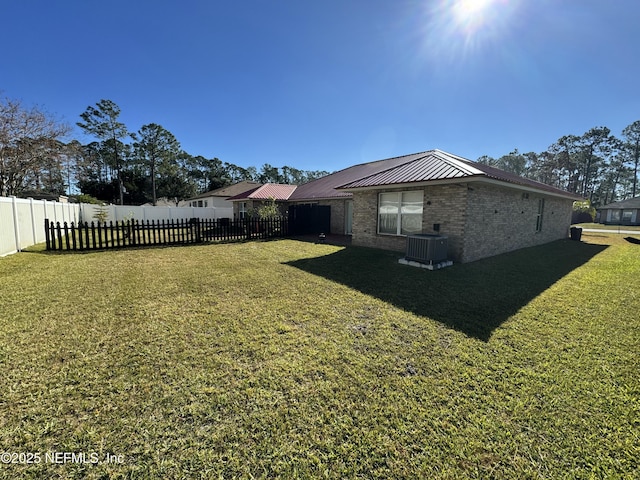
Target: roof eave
(467, 179)
(344, 195)
(395, 186)
(528, 188)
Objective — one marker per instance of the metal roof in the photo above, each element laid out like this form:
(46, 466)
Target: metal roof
(267, 191)
(325, 187)
(424, 167)
(436, 165)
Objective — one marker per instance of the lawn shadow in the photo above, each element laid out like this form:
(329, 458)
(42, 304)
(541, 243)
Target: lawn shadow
(474, 298)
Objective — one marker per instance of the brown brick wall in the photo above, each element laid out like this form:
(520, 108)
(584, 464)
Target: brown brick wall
(479, 219)
(442, 204)
(446, 205)
(503, 219)
(365, 223)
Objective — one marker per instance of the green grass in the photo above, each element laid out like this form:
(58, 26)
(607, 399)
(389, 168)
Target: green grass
(286, 359)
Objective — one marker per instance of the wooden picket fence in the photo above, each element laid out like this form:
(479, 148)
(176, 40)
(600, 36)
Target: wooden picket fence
(83, 236)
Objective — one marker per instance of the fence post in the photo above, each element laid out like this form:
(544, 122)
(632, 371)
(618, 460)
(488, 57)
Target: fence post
(46, 232)
(59, 235)
(16, 227)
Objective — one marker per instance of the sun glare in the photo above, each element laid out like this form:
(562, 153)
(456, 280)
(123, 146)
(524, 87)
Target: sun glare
(456, 29)
(471, 15)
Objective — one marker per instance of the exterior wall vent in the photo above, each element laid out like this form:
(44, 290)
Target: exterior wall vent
(427, 248)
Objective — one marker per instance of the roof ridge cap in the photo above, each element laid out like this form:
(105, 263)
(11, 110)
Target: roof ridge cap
(454, 159)
(385, 159)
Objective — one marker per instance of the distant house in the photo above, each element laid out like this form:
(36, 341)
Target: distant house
(482, 210)
(219, 198)
(52, 197)
(250, 200)
(161, 202)
(625, 212)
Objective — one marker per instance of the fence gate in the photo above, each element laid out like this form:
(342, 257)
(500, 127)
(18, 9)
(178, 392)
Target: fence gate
(309, 219)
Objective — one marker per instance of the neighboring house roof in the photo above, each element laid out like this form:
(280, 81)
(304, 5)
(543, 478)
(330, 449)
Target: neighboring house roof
(229, 190)
(436, 165)
(161, 202)
(266, 191)
(630, 203)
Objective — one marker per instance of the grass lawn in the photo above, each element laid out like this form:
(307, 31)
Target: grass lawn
(286, 359)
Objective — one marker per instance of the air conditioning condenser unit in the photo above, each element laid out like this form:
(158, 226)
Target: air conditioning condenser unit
(427, 248)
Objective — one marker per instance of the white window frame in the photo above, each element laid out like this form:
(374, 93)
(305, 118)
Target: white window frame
(399, 203)
(242, 210)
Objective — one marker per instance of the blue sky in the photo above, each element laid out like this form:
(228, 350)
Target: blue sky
(327, 84)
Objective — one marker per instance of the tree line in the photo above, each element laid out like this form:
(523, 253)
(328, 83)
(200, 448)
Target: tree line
(126, 167)
(118, 166)
(596, 165)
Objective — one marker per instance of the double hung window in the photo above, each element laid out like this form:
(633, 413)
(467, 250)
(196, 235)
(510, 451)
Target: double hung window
(242, 210)
(400, 213)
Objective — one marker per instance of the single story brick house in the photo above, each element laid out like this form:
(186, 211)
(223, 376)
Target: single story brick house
(625, 212)
(482, 210)
(325, 192)
(252, 199)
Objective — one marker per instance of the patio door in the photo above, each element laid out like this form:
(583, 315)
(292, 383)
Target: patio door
(348, 217)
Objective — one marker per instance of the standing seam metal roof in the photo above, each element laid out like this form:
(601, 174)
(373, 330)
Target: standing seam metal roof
(438, 165)
(432, 165)
(325, 187)
(267, 191)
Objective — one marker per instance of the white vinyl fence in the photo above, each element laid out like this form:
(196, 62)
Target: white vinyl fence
(117, 213)
(22, 221)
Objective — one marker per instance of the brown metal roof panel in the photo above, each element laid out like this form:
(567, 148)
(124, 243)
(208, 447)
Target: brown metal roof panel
(325, 187)
(425, 168)
(501, 175)
(438, 165)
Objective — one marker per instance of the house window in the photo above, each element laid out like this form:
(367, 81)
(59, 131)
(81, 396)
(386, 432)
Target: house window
(400, 213)
(199, 203)
(626, 216)
(540, 215)
(242, 210)
(615, 216)
(205, 203)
